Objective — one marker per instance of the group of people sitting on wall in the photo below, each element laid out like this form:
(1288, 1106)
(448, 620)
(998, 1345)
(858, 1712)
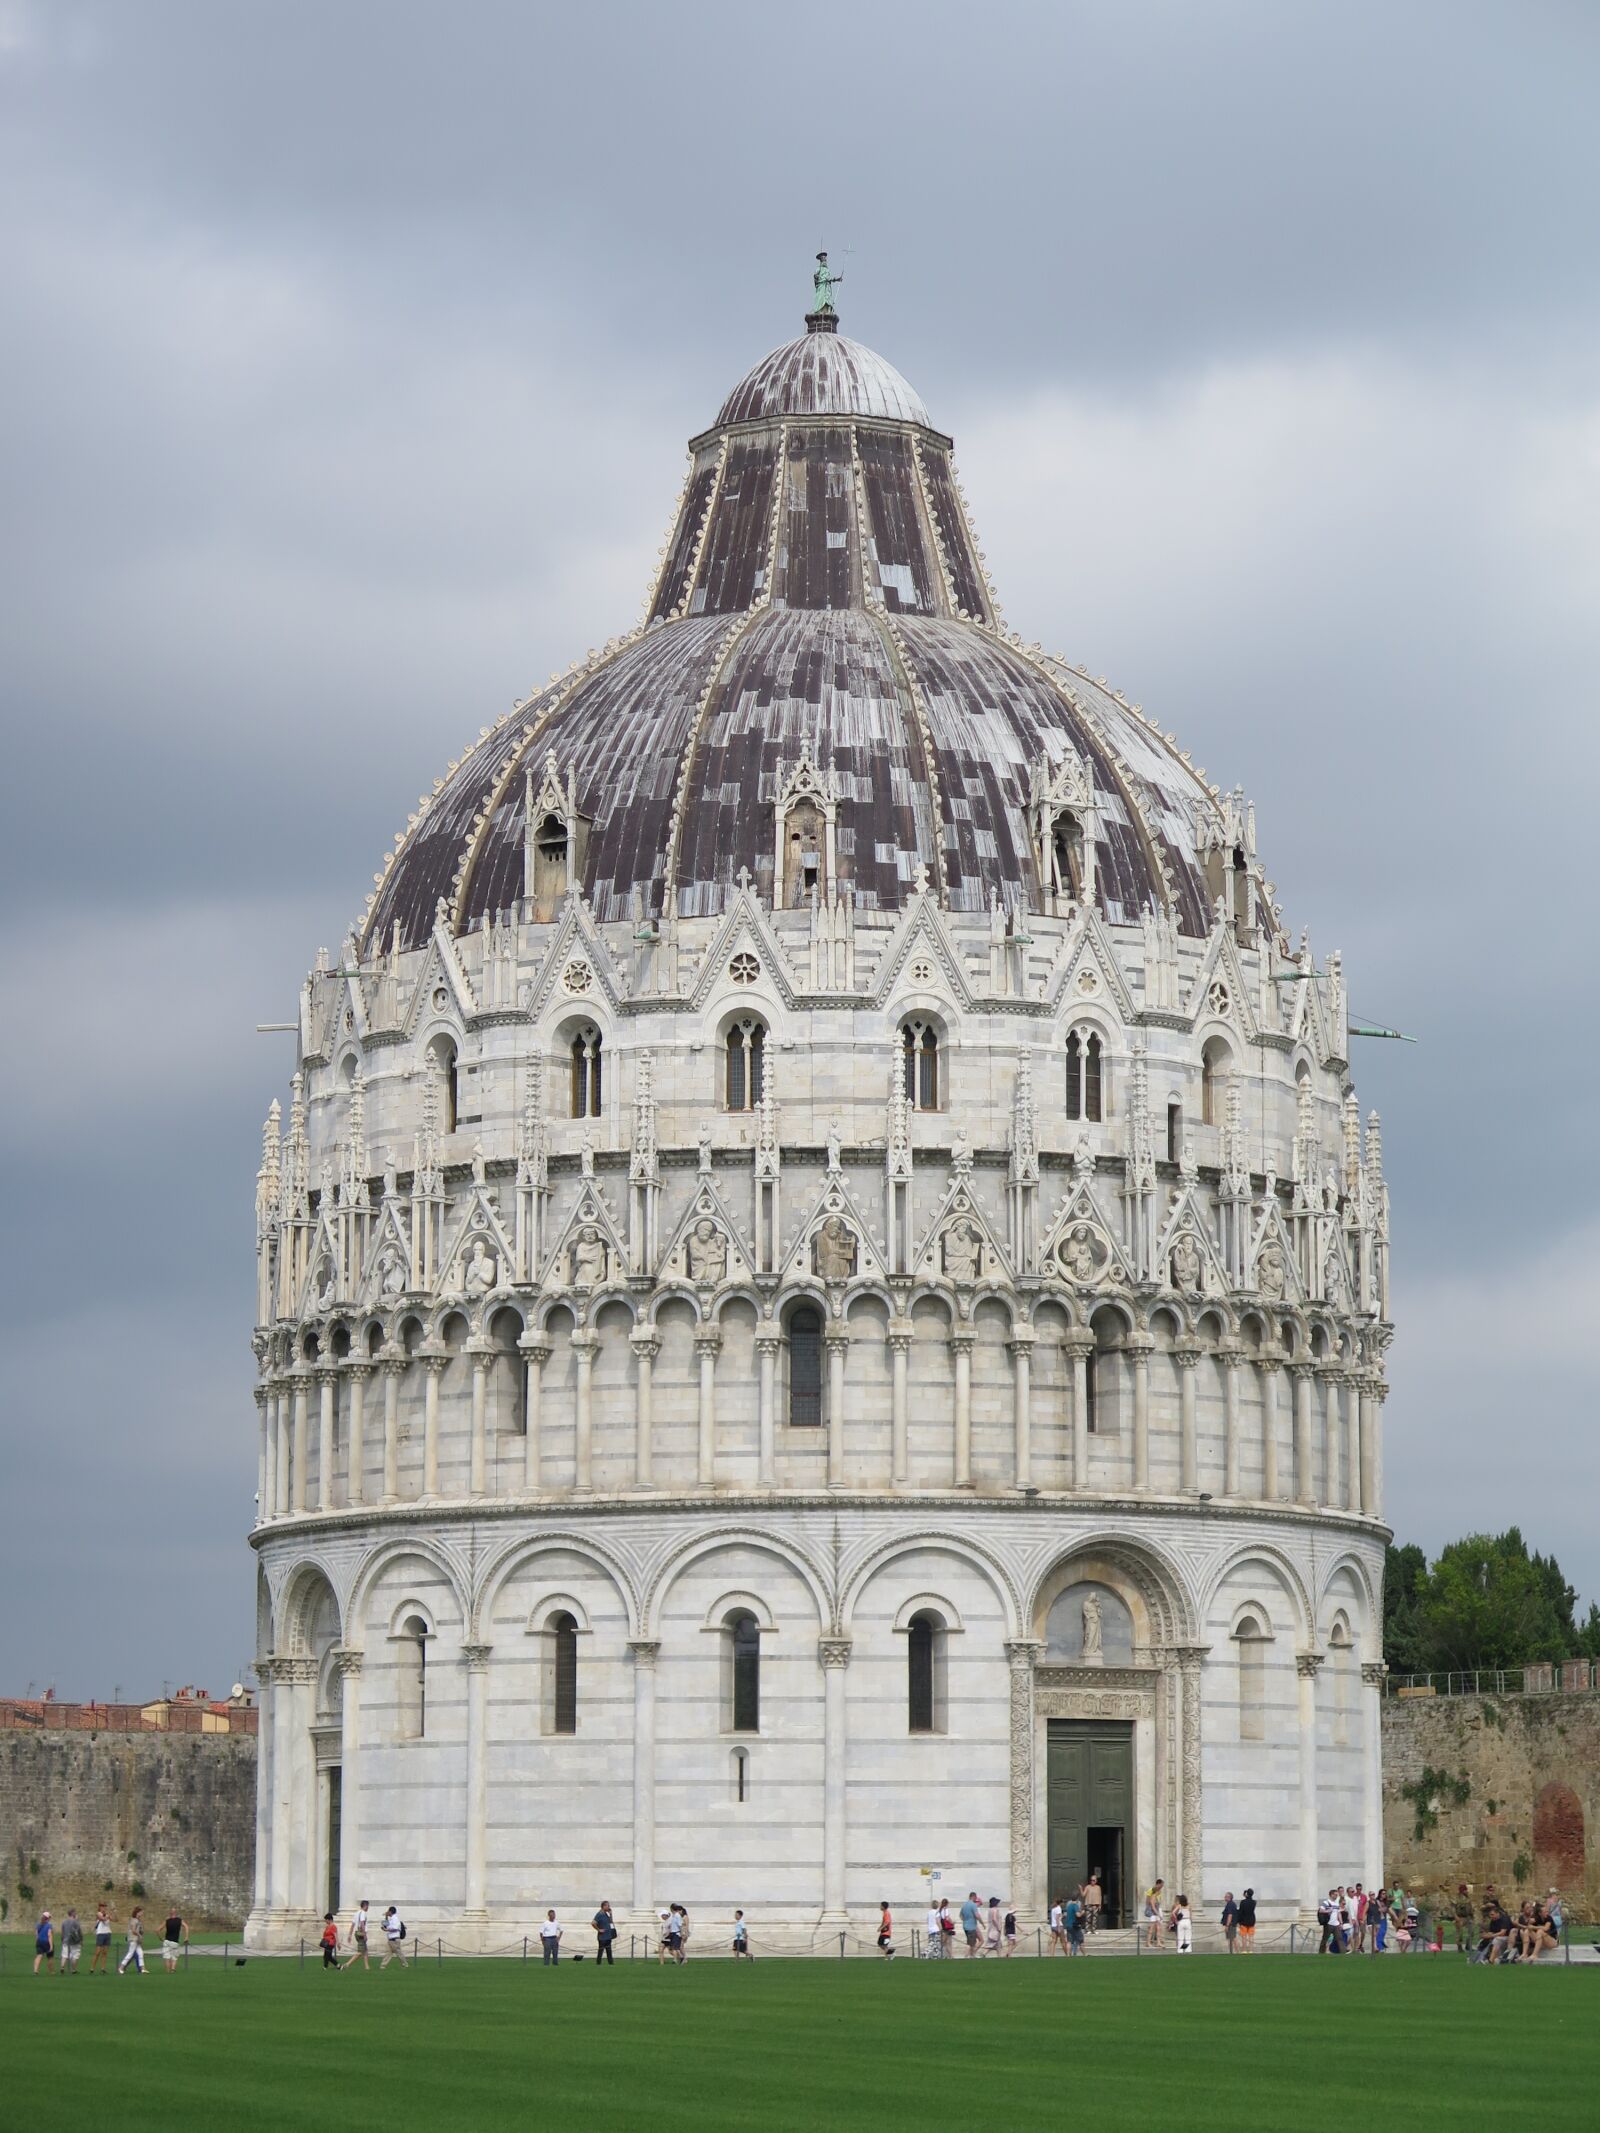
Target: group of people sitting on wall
(1501, 1936)
(1392, 1923)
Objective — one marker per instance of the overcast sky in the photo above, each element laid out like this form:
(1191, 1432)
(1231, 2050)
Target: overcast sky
(349, 355)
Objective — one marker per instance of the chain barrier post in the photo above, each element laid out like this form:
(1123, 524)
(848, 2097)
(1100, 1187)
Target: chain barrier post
(1291, 1936)
(302, 1954)
(439, 1945)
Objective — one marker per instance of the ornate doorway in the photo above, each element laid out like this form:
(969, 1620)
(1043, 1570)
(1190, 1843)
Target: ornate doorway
(1090, 1816)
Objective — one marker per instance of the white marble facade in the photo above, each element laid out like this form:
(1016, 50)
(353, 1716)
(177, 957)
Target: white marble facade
(854, 1345)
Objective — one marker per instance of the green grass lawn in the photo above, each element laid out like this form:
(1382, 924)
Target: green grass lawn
(1208, 2042)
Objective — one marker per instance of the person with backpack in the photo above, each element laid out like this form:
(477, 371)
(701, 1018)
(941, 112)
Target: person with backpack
(947, 1927)
(394, 1936)
(741, 1940)
(44, 1944)
(605, 1933)
(71, 1943)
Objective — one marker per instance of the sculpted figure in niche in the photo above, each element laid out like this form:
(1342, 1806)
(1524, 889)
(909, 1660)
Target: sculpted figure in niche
(1081, 1254)
(1271, 1273)
(392, 1275)
(707, 1253)
(1330, 1275)
(327, 1286)
(833, 1250)
(483, 1270)
(588, 1256)
(963, 1251)
(1091, 1629)
(1186, 1264)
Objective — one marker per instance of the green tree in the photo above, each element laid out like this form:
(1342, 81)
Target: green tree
(1488, 1602)
(1405, 1573)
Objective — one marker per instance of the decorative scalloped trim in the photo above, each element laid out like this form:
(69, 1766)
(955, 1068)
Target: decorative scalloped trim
(930, 519)
(692, 574)
(664, 552)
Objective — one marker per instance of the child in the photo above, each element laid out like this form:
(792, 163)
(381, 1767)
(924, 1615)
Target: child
(885, 1931)
(1183, 1926)
(741, 1938)
(330, 1942)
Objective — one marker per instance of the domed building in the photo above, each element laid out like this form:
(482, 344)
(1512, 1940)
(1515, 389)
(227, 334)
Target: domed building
(823, 1290)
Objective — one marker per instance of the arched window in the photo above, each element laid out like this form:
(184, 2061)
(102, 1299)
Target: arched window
(1341, 1653)
(741, 1776)
(1066, 852)
(411, 1698)
(804, 872)
(1174, 1133)
(1251, 1639)
(920, 1043)
(741, 1637)
(805, 1366)
(747, 1043)
(1240, 872)
(1215, 1061)
(1085, 1075)
(925, 1673)
(444, 1053)
(562, 1631)
(587, 1090)
(551, 864)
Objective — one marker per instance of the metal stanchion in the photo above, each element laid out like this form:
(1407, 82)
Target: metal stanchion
(302, 1954)
(841, 1947)
(524, 1947)
(1291, 1936)
(439, 1944)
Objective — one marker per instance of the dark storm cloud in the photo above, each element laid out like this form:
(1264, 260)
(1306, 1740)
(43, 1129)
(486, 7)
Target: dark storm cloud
(349, 358)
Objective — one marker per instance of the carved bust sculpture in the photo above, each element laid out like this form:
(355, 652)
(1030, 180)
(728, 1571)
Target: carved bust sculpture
(707, 1253)
(588, 1257)
(963, 1251)
(834, 1250)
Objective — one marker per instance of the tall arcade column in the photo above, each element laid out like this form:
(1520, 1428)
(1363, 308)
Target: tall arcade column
(356, 1452)
(1138, 1346)
(961, 1345)
(837, 1342)
(1231, 1361)
(479, 1468)
(328, 1390)
(1372, 1439)
(646, 1347)
(282, 1725)
(348, 1661)
(584, 1342)
(1372, 1676)
(433, 1362)
(535, 1354)
(1080, 1347)
(283, 1456)
(1021, 1346)
(302, 1443)
(1271, 1367)
(394, 1369)
(707, 1346)
(645, 1650)
(1352, 1440)
(1305, 1489)
(475, 1657)
(266, 1780)
(900, 1401)
(834, 1654)
(1187, 1360)
(1307, 1666)
(768, 1342)
(263, 1453)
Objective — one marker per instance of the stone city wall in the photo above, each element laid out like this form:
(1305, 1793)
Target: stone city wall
(1530, 1766)
(171, 1814)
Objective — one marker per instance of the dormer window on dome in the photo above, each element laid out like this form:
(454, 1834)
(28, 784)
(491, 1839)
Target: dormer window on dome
(555, 840)
(1062, 808)
(806, 814)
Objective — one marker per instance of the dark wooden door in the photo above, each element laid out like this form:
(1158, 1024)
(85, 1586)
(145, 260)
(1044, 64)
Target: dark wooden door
(1089, 1786)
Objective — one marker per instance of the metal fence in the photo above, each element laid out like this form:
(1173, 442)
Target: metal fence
(1566, 1677)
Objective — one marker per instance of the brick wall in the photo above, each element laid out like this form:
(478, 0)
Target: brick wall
(1532, 1764)
(173, 1811)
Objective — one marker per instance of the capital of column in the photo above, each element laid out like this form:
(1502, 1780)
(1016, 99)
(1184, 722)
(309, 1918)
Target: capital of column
(260, 1394)
(267, 1671)
(1302, 1369)
(583, 1341)
(962, 1341)
(1187, 1658)
(1023, 1653)
(1186, 1358)
(393, 1364)
(1023, 1340)
(768, 1339)
(1376, 1387)
(476, 1657)
(532, 1349)
(347, 1660)
(1230, 1353)
(1308, 1664)
(358, 1373)
(646, 1346)
(899, 1343)
(1138, 1345)
(1374, 1673)
(1270, 1361)
(297, 1671)
(645, 1650)
(708, 1340)
(836, 1337)
(328, 1374)
(433, 1360)
(1075, 1345)
(833, 1651)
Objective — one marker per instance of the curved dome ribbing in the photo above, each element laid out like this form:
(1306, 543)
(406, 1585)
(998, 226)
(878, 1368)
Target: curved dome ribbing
(822, 594)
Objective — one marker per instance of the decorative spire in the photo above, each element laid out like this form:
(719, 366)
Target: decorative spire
(1141, 1148)
(899, 1151)
(532, 1159)
(1235, 1167)
(355, 1155)
(1352, 1147)
(1024, 1126)
(642, 1161)
(766, 1128)
(269, 1178)
(299, 1152)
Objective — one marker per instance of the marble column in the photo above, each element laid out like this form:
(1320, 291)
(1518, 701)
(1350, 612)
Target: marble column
(1079, 1347)
(475, 1657)
(1352, 1440)
(584, 1343)
(328, 1391)
(646, 1347)
(302, 1444)
(645, 1652)
(1138, 1346)
(356, 1455)
(768, 1343)
(1022, 1655)
(1189, 1659)
(305, 1886)
(1021, 1346)
(837, 1342)
(282, 1693)
(263, 1452)
(899, 1401)
(535, 1354)
(284, 1429)
(834, 1655)
(1270, 1366)
(1307, 1665)
(348, 1661)
(478, 1481)
(1231, 1362)
(961, 1343)
(261, 1896)
(1187, 1360)
(433, 1362)
(1372, 1675)
(707, 1347)
(1305, 1480)
(394, 1369)
(1372, 1431)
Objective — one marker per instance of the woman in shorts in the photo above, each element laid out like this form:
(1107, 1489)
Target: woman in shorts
(1247, 1922)
(101, 1958)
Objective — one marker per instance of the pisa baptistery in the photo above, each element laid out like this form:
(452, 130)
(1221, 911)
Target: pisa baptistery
(822, 1287)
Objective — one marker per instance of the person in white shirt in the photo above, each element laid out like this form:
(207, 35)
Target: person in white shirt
(394, 1937)
(934, 1932)
(1184, 1924)
(358, 1937)
(1058, 1931)
(550, 1937)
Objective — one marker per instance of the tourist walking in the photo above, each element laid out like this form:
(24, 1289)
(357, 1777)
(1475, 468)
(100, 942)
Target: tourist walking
(101, 1958)
(1154, 1902)
(329, 1941)
(1183, 1925)
(886, 1931)
(969, 1922)
(360, 1926)
(741, 1939)
(933, 1925)
(674, 1934)
(135, 1950)
(550, 1937)
(991, 1945)
(1011, 1933)
(1072, 1921)
(71, 1943)
(1093, 1898)
(1247, 1922)
(173, 1935)
(605, 1935)
(947, 1928)
(683, 1933)
(394, 1938)
(1230, 1922)
(44, 1944)
(1058, 1930)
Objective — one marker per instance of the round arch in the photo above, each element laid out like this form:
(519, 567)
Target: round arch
(518, 1554)
(881, 1554)
(667, 1573)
